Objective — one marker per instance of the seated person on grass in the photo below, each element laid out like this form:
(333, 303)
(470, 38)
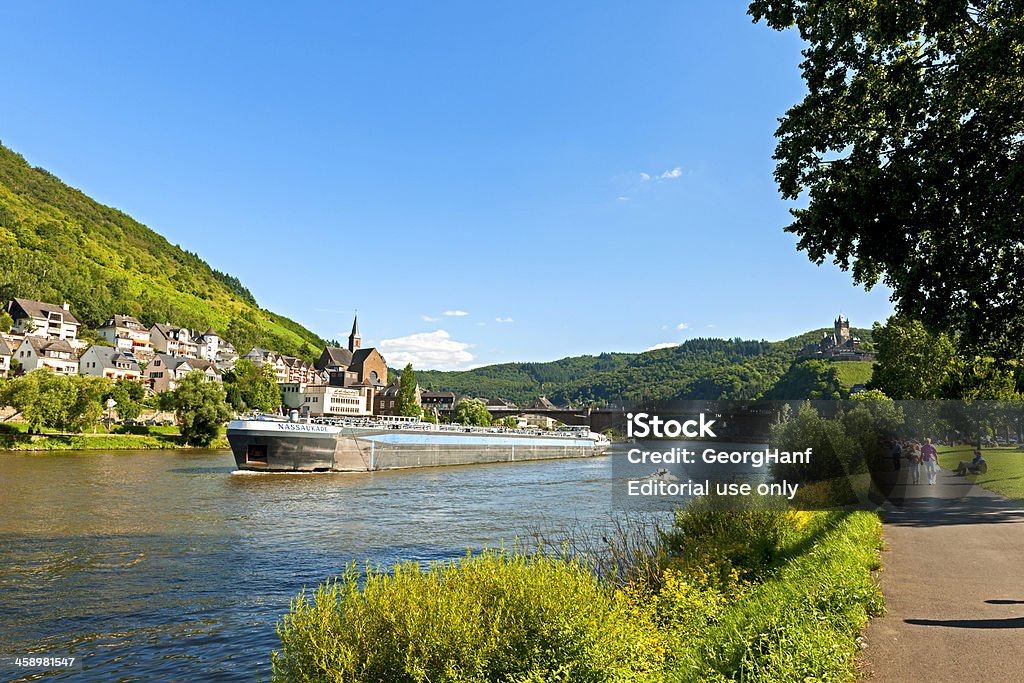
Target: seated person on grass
(976, 466)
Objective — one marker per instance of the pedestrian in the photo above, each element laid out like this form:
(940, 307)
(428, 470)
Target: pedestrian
(915, 462)
(930, 458)
(897, 455)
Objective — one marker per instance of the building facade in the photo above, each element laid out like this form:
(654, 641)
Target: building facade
(53, 354)
(41, 319)
(127, 334)
(104, 361)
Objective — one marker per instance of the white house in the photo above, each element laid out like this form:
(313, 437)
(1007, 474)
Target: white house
(324, 400)
(173, 341)
(55, 354)
(40, 319)
(5, 358)
(104, 361)
(165, 371)
(127, 334)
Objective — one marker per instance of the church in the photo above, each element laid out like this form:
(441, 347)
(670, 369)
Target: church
(353, 367)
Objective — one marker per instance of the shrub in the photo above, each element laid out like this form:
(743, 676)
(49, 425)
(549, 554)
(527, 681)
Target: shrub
(733, 539)
(491, 617)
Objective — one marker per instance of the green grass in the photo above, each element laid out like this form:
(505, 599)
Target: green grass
(1005, 474)
(754, 596)
(853, 372)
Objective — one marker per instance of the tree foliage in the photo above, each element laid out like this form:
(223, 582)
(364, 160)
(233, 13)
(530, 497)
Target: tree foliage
(406, 403)
(200, 409)
(470, 411)
(912, 362)
(55, 401)
(253, 387)
(128, 394)
(708, 369)
(916, 364)
(908, 147)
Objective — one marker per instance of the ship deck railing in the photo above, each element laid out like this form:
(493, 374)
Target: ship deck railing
(390, 422)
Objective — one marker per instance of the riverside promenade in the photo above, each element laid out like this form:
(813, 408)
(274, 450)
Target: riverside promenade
(953, 581)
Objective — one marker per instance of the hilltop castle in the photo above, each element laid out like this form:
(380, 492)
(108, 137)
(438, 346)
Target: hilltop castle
(841, 345)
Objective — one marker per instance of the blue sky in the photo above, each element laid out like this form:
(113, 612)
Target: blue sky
(484, 182)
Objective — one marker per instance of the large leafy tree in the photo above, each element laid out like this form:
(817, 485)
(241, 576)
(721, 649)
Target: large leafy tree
(128, 395)
(56, 401)
(252, 386)
(201, 409)
(406, 403)
(907, 148)
(912, 363)
(470, 411)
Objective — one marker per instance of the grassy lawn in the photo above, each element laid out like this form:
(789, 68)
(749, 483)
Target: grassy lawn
(1005, 474)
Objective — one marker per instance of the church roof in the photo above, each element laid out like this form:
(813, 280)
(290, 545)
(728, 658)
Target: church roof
(334, 356)
(359, 357)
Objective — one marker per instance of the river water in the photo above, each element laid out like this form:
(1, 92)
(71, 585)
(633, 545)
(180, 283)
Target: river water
(168, 566)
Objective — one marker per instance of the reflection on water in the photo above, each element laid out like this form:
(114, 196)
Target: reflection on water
(169, 566)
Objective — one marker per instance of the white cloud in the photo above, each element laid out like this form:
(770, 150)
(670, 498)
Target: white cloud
(662, 345)
(682, 326)
(711, 325)
(428, 319)
(644, 177)
(624, 199)
(456, 313)
(676, 172)
(499, 319)
(427, 350)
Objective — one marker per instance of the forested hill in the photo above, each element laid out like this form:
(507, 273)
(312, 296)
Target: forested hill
(696, 369)
(57, 244)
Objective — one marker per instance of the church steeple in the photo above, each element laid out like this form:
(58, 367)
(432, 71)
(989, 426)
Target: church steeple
(353, 339)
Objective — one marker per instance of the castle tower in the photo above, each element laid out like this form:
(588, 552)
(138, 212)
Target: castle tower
(842, 326)
(353, 339)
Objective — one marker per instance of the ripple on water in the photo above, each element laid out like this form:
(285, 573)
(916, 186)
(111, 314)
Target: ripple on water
(176, 567)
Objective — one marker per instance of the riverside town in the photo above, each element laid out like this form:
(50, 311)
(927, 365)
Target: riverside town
(469, 342)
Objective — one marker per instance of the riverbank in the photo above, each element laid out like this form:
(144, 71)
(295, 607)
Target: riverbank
(757, 595)
(15, 437)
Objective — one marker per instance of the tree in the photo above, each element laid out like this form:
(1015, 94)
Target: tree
(907, 147)
(252, 386)
(128, 394)
(200, 408)
(471, 411)
(6, 321)
(405, 402)
(46, 399)
(912, 363)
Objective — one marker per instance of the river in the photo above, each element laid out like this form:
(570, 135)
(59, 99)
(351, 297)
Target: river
(168, 566)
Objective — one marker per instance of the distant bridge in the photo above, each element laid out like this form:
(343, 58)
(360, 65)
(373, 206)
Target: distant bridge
(598, 419)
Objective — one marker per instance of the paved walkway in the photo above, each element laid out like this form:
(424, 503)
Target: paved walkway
(953, 581)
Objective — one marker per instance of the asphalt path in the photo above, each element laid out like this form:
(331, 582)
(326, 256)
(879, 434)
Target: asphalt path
(953, 580)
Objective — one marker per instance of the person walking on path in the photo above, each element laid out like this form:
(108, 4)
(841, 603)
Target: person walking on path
(930, 458)
(897, 454)
(915, 462)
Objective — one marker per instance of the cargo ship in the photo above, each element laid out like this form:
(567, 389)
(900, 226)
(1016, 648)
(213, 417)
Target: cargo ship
(268, 444)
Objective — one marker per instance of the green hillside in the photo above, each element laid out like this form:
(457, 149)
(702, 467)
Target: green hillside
(57, 244)
(697, 369)
(854, 372)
